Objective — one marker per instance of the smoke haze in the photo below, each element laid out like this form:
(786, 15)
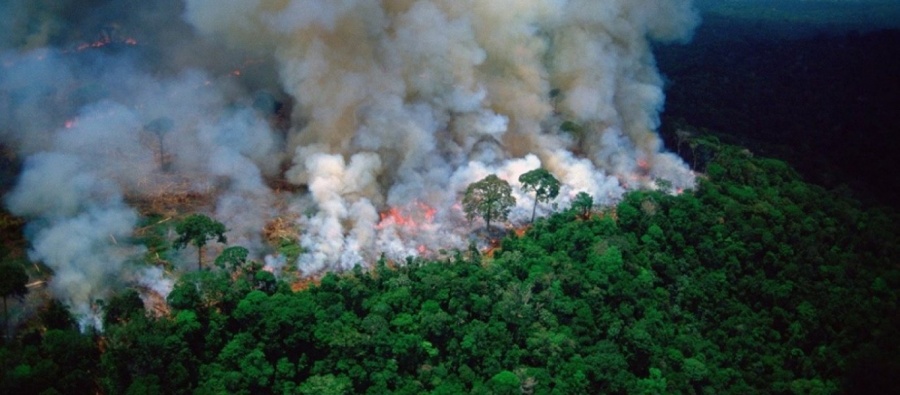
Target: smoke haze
(377, 113)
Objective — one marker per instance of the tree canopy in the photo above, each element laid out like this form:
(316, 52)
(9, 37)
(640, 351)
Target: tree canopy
(544, 185)
(755, 282)
(583, 203)
(197, 230)
(490, 198)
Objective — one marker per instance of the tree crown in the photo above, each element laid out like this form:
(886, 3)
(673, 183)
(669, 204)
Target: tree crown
(197, 229)
(490, 198)
(542, 182)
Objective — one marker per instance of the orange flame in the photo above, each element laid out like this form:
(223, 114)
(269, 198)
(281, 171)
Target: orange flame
(644, 165)
(104, 41)
(422, 214)
(427, 211)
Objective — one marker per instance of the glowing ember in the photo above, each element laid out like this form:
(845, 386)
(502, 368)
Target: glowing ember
(394, 216)
(644, 165)
(421, 215)
(104, 41)
(427, 211)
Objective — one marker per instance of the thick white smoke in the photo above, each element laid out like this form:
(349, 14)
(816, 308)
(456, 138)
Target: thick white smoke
(396, 106)
(78, 218)
(98, 132)
(404, 103)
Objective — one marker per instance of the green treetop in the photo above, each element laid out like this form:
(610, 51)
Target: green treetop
(544, 185)
(583, 203)
(196, 230)
(489, 198)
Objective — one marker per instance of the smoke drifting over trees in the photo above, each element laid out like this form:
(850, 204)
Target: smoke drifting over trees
(393, 104)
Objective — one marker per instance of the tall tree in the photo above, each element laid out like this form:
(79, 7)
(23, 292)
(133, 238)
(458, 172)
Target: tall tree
(489, 198)
(583, 202)
(12, 284)
(197, 229)
(544, 185)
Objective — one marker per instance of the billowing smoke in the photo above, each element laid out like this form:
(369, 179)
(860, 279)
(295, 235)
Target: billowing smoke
(378, 114)
(105, 123)
(402, 103)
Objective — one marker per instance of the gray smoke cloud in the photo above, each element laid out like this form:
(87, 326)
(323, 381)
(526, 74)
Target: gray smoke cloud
(404, 103)
(105, 122)
(389, 109)
(77, 219)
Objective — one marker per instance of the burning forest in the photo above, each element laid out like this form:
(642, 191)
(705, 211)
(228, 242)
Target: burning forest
(350, 127)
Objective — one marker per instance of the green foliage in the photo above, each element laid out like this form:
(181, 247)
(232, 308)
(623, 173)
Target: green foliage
(754, 283)
(123, 307)
(232, 258)
(505, 382)
(693, 369)
(653, 385)
(291, 249)
(197, 230)
(207, 289)
(544, 185)
(490, 198)
(56, 316)
(185, 295)
(325, 385)
(53, 362)
(583, 203)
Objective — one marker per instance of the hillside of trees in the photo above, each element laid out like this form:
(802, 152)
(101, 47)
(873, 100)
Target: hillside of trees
(755, 282)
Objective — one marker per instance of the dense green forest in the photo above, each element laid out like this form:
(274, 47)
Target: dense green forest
(755, 282)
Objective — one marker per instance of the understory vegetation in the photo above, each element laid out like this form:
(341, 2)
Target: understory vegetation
(754, 282)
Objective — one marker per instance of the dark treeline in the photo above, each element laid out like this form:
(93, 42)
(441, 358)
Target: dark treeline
(825, 102)
(756, 282)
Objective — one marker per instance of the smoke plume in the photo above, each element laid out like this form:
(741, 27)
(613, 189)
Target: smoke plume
(378, 114)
